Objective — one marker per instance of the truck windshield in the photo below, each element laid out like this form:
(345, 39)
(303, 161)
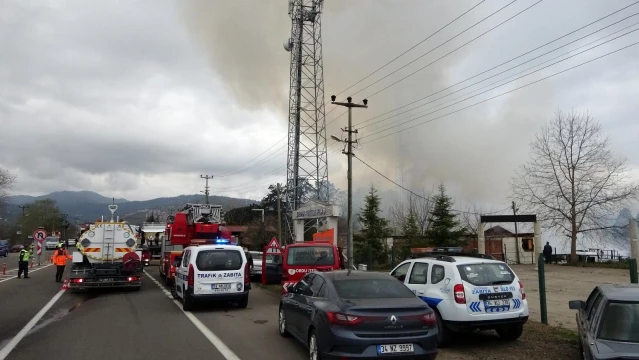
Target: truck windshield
(218, 260)
(621, 322)
(310, 255)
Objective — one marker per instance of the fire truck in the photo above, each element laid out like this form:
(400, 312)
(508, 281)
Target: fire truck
(106, 256)
(194, 224)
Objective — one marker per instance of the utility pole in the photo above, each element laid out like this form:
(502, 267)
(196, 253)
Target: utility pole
(206, 186)
(349, 153)
(23, 208)
(279, 215)
(517, 242)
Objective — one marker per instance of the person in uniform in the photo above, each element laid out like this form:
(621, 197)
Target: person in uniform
(60, 260)
(23, 261)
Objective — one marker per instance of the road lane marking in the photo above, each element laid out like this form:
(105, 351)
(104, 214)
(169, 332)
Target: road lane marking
(213, 339)
(30, 271)
(25, 330)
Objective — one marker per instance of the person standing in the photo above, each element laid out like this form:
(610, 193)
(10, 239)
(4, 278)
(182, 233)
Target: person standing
(547, 252)
(23, 261)
(60, 260)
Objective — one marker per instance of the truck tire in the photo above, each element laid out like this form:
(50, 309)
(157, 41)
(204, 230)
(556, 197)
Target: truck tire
(243, 302)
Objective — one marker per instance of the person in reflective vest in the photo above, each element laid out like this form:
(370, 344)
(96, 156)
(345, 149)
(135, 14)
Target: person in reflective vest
(60, 260)
(23, 261)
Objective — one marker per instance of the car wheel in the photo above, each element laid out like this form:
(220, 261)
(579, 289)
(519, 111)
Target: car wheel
(243, 303)
(281, 320)
(443, 332)
(313, 347)
(187, 302)
(174, 291)
(511, 332)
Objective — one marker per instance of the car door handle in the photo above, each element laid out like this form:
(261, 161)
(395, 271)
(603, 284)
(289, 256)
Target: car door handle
(420, 292)
(297, 305)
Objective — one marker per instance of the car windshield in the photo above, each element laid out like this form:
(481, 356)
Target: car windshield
(218, 260)
(485, 274)
(621, 322)
(372, 289)
(310, 255)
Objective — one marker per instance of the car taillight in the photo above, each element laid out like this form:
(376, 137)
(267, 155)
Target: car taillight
(343, 319)
(522, 291)
(247, 274)
(172, 269)
(191, 277)
(133, 278)
(77, 280)
(460, 295)
(429, 319)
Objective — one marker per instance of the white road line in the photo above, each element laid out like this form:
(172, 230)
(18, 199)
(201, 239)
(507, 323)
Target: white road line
(25, 330)
(216, 341)
(30, 271)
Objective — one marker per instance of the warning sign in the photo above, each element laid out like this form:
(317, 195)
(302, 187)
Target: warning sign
(273, 247)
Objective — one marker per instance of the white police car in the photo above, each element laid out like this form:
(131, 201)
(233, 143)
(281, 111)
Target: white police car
(467, 292)
(212, 273)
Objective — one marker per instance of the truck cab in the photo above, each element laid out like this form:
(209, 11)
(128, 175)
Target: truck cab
(302, 258)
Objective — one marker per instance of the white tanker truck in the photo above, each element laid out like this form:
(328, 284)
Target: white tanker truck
(107, 256)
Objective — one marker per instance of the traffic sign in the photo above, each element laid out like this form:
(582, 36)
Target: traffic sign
(39, 235)
(274, 247)
(39, 248)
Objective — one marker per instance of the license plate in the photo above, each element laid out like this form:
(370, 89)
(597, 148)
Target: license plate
(106, 280)
(493, 303)
(395, 349)
(221, 286)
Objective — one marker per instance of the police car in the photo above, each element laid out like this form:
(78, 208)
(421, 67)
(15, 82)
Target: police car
(467, 292)
(212, 273)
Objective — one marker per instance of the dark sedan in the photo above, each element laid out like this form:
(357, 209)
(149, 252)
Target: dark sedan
(608, 322)
(361, 315)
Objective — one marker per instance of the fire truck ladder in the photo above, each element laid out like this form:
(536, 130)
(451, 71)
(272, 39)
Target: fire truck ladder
(108, 240)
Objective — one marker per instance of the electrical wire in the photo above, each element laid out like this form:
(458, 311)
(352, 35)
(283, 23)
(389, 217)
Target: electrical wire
(498, 81)
(420, 196)
(496, 96)
(517, 57)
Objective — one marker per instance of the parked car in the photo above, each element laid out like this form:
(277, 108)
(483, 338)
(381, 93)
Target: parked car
(4, 248)
(358, 315)
(256, 271)
(467, 292)
(16, 248)
(608, 322)
(71, 242)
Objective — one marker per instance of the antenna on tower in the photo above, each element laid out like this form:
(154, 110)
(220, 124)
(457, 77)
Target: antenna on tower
(307, 161)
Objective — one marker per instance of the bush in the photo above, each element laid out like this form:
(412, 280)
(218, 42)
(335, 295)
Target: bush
(622, 264)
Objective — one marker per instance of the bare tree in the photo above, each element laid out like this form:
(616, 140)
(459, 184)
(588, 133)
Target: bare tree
(420, 206)
(572, 180)
(6, 183)
(470, 219)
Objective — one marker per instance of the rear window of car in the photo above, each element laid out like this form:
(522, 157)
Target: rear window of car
(485, 274)
(621, 322)
(218, 260)
(372, 289)
(310, 255)
(4, 242)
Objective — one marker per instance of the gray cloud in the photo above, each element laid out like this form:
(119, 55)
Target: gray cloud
(166, 91)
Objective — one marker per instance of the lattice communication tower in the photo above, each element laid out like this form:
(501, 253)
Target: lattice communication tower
(307, 165)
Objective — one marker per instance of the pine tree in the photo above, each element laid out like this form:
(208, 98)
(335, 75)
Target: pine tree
(375, 230)
(444, 227)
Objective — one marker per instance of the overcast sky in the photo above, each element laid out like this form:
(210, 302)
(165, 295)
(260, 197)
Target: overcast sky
(136, 99)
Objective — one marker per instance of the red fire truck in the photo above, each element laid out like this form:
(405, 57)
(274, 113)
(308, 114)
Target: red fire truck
(302, 258)
(196, 223)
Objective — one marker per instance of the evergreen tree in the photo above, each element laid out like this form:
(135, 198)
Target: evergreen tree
(411, 230)
(444, 227)
(375, 231)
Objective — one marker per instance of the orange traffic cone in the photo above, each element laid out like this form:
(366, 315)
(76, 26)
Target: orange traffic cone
(32, 263)
(65, 285)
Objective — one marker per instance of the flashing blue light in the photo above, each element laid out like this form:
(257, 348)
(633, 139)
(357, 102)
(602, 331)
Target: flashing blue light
(221, 241)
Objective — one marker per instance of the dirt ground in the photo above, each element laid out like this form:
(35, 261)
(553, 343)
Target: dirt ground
(564, 283)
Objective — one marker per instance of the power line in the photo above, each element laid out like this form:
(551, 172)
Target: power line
(498, 81)
(238, 169)
(422, 68)
(420, 196)
(526, 53)
(421, 42)
(496, 96)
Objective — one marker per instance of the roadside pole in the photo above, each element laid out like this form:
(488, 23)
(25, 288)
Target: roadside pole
(541, 274)
(632, 266)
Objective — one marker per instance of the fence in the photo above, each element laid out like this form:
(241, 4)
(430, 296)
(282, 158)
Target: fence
(549, 288)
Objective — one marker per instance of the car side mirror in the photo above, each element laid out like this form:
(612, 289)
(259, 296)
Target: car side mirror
(577, 304)
(401, 278)
(291, 288)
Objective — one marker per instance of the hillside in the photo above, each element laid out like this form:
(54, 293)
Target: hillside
(88, 205)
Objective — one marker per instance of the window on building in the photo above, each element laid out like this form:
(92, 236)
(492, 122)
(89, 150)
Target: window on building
(527, 244)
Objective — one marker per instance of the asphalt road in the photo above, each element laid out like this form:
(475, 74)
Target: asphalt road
(39, 320)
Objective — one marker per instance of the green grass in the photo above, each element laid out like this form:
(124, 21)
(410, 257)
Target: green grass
(274, 288)
(551, 333)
